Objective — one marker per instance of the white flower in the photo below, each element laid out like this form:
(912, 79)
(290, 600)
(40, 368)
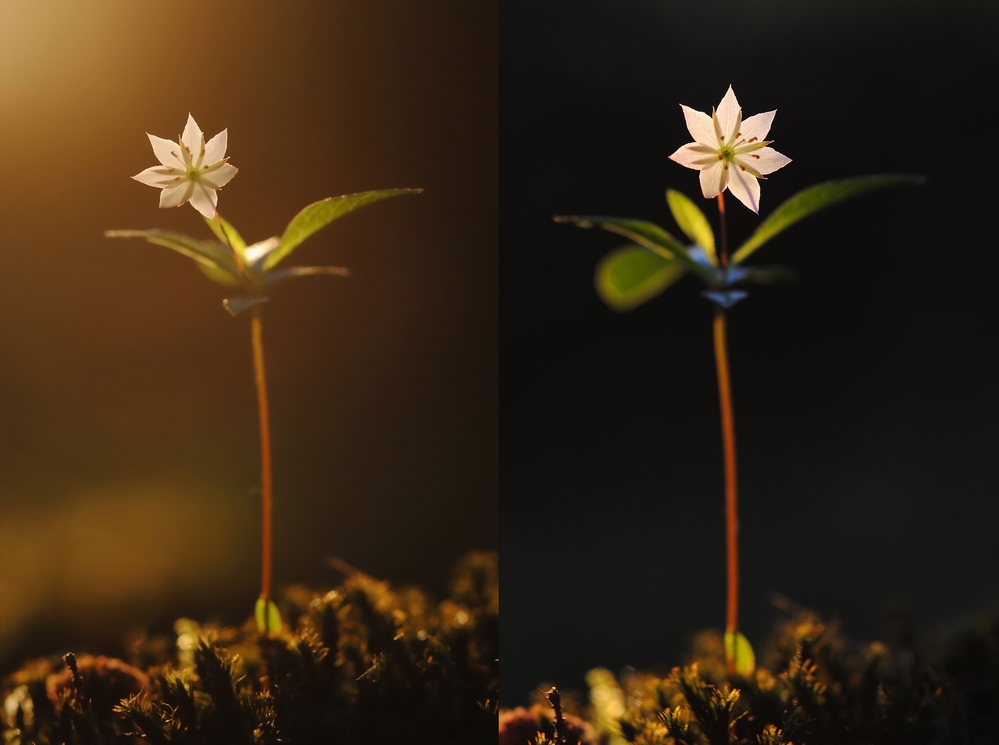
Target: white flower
(191, 171)
(730, 153)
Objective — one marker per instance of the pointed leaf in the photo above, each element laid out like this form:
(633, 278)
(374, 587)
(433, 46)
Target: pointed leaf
(218, 274)
(200, 251)
(632, 275)
(280, 275)
(725, 298)
(226, 233)
(206, 254)
(320, 214)
(646, 234)
(737, 647)
(267, 616)
(692, 222)
(816, 198)
(236, 305)
(761, 275)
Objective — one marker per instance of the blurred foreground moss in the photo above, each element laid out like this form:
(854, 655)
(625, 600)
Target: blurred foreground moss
(813, 686)
(360, 664)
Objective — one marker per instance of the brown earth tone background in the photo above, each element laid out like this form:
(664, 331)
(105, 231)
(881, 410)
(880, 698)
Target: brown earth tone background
(129, 450)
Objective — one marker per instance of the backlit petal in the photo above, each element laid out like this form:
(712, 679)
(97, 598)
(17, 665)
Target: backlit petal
(745, 188)
(711, 185)
(215, 149)
(176, 195)
(767, 160)
(157, 176)
(693, 156)
(204, 199)
(700, 127)
(194, 138)
(756, 127)
(167, 152)
(727, 111)
(733, 134)
(216, 178)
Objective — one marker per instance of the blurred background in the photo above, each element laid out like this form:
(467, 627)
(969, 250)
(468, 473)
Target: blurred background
(865, 397)
(129, 458)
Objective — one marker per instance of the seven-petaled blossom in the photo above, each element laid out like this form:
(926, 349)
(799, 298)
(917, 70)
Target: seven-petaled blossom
(192, 170)
(730, 153)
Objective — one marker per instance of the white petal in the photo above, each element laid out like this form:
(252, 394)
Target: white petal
(167, 152)
(711, 180)
(766, 160)
(733, 134)
(204, 199)
(176, 195)
(692, 156)
(745, 188)
(215, 149)
(728, 109)
(258, 250)
(756, 127)
(699, 125)
(194, 138)
(219, 177)
(157, 176)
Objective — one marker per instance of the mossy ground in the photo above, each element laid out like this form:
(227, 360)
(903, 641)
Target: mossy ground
(812, 686)
(361, 664)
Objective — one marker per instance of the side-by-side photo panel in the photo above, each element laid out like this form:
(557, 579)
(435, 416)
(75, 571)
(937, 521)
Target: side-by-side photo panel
(249, 372)
(747, 399)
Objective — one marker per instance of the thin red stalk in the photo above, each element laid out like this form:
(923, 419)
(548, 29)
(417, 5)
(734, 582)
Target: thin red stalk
(256, 330)
(723, 230)
(728, 447)
(731, 484)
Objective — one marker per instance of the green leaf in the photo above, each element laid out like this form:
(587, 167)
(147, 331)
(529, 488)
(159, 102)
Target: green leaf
(268, 616)
(692, 222)
(236, 305)
(737, 647)
(226, 233)
(201, 251)
(206, 254)
(646, 234)
(280, 275)
(632, 275)
(218, 274)
(320, 214)
(816, 198)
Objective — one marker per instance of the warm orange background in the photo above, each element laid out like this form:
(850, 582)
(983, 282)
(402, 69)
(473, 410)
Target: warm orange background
(129, 449)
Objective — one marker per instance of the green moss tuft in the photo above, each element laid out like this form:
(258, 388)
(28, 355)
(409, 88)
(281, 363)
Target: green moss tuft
(362, 664)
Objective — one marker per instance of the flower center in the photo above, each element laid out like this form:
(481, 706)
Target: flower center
(726, 153)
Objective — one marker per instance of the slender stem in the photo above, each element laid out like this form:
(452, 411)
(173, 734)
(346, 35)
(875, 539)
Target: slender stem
(728, 447)
(731, 485)
(265, 449)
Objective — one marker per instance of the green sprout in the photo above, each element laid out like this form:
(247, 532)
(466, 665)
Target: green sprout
(193, 171)
(731, 155)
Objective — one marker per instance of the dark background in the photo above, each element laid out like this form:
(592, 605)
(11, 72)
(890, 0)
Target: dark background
(129, 451)
(865, 396)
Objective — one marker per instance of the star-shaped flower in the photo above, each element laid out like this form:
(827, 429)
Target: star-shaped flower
(730, 153)
(192, 170)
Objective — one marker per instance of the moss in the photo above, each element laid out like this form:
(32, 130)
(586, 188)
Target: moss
(814, 686)
(361, 664)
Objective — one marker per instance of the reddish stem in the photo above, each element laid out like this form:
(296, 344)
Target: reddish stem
(256, 331)
(728, 446)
